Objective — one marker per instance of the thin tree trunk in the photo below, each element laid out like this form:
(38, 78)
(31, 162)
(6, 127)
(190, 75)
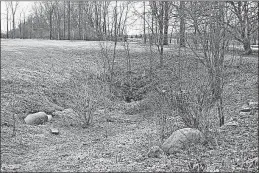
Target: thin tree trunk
(166, 22)
(152, 25)
(59, 27)
(246, 39)
(69, 20)
(144, 24)
(64, 32)
(13, 26)
(7, 25)
(182, 24)
(79, 22)
(161, 36)
(114, 48)
(31, 29)
(11, 34)
(50, 25)
(20, 27)
(96, 17)
(23, 33)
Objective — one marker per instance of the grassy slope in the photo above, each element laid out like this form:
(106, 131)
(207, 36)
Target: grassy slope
(32, 65)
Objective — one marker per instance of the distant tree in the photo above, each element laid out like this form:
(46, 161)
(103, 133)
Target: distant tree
(64, 14)
(144, 24)
(245, 23)
(69, 11)
(20, 26)
(79, 19)
(158, 12)
(13, 6)
(23, 33)
(166, 22)
(7, 20)
(182, 24)
(50, 6)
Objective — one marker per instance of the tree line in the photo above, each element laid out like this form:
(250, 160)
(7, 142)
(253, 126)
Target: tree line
(162, 20)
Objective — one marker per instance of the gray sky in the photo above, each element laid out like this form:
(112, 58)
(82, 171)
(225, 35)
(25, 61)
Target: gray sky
(23, 6)
(133, 28)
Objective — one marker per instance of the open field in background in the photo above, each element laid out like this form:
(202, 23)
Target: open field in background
(30, 68)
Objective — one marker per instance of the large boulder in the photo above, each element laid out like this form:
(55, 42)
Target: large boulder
(182, 139)
(36, 118)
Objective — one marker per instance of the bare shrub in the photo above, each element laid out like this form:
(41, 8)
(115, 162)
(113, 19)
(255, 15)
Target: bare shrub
(87, 93)
(188, 100)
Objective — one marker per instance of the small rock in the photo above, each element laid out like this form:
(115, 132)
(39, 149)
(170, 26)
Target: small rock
(245, 108)
(232, 123)
(244, 113)
(36, 118)
(155, 152)
(54, 131)
(49, 117)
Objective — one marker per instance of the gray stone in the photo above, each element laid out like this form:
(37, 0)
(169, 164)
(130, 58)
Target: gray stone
(231, 123)
(36, 118)
(54, 131)
(49, 117)
(244, 113)
(181, 139)
(245, 108)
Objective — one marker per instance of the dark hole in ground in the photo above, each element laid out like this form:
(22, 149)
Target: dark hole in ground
(133, 90)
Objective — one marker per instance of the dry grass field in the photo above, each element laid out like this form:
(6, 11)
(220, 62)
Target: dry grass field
(39, 69)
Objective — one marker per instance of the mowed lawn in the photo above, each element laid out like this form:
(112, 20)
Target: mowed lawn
(109, 146)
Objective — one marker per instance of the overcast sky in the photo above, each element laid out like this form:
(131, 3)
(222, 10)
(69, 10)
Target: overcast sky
(23, 6)
(132, 29)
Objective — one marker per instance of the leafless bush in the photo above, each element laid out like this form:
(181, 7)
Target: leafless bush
(88, 94)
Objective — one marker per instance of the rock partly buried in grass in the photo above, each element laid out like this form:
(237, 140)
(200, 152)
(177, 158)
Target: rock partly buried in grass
(36, 118)
(245, 108)
(155, 152)
(231, 123)
(54, 131)
(182, 139)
